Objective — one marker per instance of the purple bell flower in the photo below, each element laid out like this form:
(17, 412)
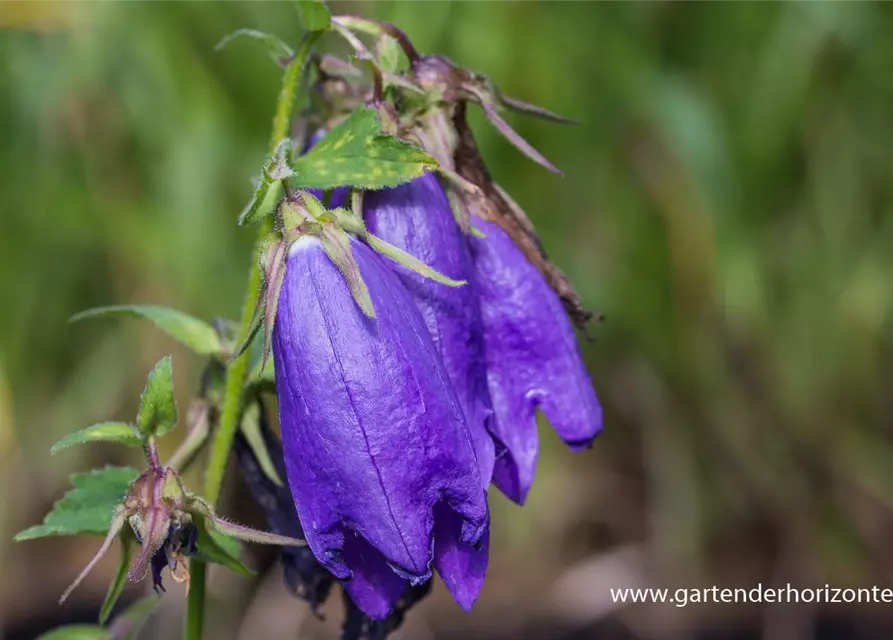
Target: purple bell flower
(532, 360)
(378, 455)
(417, 218)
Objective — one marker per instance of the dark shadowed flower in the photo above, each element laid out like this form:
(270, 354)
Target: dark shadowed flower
(532, 360)
(358, 626)
(304, 576)
(179, 545)
(378, 455)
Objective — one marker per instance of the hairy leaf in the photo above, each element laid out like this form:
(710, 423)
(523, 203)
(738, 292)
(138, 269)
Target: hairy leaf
(158, 411)
(120, 432)
(89, 507)
(315, 15)
(277, 49)
(196, 334)
(355, 153)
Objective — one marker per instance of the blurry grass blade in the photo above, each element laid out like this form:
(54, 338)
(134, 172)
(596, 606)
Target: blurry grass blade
(119, 432)
(129, 624)
(88, 507)
(199, 426)
(410, 262)
(277, 49)
(77, 632)
(128, 544)
(251, 429)
(196, 334)
(158, 411)
(217, 548)
(315, 15)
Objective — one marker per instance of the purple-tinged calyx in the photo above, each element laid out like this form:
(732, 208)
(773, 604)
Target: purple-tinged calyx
(532, 357)
(378, 454)
(162, 515)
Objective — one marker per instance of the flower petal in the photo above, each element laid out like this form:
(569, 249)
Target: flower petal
(461, 567)
(417, 218)
(532, 360)
(372, 431)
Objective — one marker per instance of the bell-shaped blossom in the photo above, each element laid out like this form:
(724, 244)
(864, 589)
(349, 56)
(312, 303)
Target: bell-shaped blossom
(532, 358)
(417, 218)
(378, 455)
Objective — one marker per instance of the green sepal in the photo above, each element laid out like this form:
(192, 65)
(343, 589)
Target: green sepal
(88, 508)
(128, 546)
(214, 547)
(356, 153)
(251, 429)
(315, 15)
(268, 190)
(410, 261)
(158, 410)
(199, 508)
(336, 244)
(119, 432)
(196, 334)
(278, 50)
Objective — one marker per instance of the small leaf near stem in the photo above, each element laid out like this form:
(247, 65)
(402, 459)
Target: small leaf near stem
(315, 15)
(196, 334)
(119, 432)
(158, 411)
(278, 50)
(88, 507)
(356, 154)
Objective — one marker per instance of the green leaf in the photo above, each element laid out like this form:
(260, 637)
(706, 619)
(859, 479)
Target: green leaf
(77, 632)
(277, 49)
(128, 545)
(251, 429)
(217, 548)
(336, 244)
(268, 190)
(103, 432)
(357, 154)
(315, 15)
(196, 334)
(89, 507)
(128, 625)
(158, 411)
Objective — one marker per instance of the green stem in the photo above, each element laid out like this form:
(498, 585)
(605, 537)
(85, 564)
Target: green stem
(237, 372)
(195, 601)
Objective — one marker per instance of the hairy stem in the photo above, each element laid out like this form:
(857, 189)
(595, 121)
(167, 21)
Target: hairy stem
(237, 372)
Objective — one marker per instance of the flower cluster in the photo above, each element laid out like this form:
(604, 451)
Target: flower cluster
(411, 356)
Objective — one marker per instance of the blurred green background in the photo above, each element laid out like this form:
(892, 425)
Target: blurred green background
(727, 204)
